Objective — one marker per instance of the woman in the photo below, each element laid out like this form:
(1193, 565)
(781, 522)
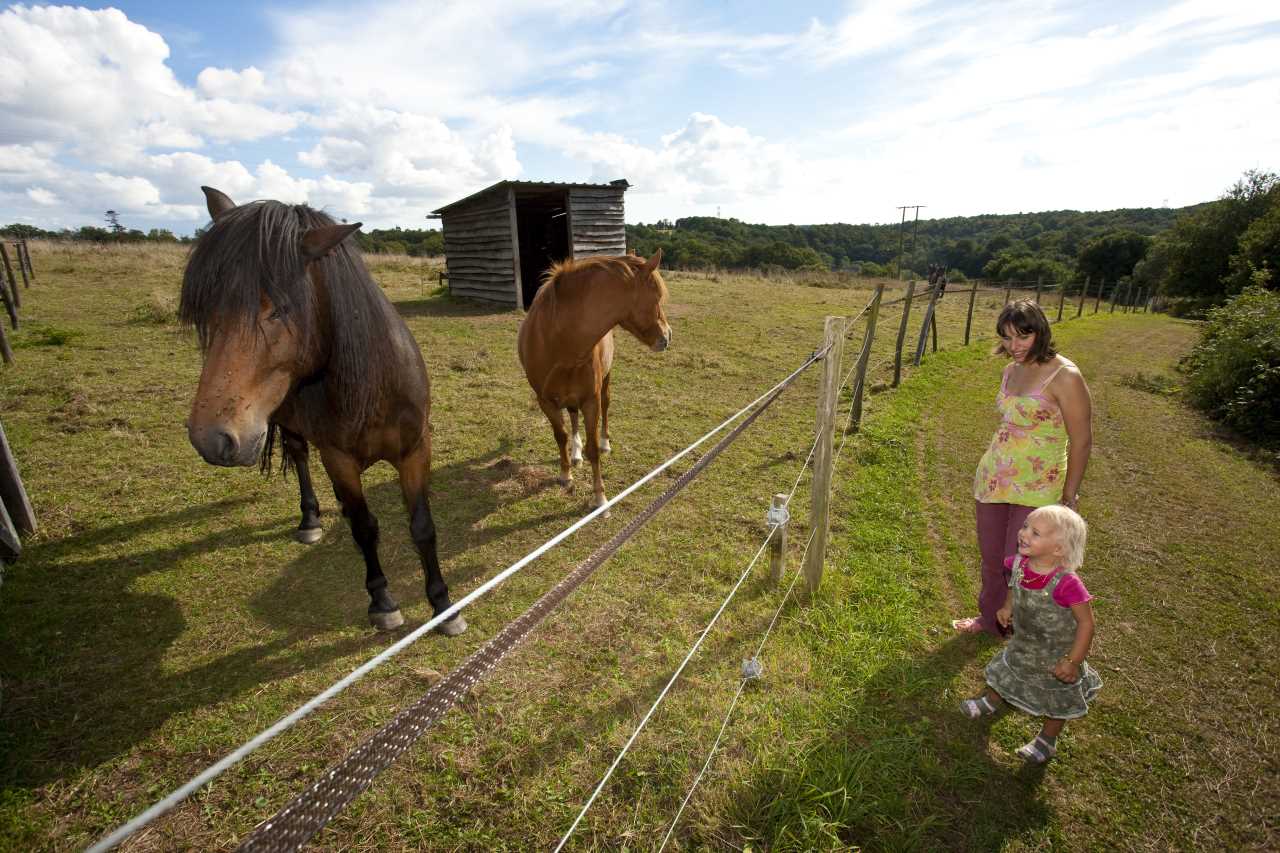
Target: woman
(1037, 456)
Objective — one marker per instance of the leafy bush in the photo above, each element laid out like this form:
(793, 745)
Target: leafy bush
(1234, 371)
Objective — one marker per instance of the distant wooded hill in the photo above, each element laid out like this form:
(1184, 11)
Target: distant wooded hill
(1021, 246)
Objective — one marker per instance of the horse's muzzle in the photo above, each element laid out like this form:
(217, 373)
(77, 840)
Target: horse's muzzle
(662, 343)
(218, 446)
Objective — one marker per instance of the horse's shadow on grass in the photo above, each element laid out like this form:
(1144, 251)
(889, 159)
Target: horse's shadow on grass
(84, 672)
(904, 769)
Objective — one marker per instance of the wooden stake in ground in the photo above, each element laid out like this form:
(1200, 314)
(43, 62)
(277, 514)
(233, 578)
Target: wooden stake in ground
(26, 257)
(820, 499)
(902, 334)
(924, 327)
(1008, 291)
(22, 264)
(968, 320)
(1102, 282)
(12, 494)
(864, 357)
(14, 299)
(1062, 299)
(5, 352)
(1084, 294)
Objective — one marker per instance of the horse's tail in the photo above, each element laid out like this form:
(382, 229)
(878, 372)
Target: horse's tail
(268, 450)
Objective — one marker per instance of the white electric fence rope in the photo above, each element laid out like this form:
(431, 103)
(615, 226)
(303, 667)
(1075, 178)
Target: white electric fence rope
(665, 690)
(795, 576)
(284, 723)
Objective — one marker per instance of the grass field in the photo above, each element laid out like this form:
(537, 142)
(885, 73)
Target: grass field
(163, 615)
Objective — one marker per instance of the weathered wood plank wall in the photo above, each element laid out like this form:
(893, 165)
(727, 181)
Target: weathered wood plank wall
(479, 250)
(596, 221)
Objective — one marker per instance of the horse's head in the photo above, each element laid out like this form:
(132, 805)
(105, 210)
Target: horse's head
(646, 319)
(255, 308)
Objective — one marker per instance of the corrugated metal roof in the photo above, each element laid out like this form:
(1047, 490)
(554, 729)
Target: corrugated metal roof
(529, 185)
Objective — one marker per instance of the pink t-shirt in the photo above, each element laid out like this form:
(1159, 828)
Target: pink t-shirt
(1070, 589)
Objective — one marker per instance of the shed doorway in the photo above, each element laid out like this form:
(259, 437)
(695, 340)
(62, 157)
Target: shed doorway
(542, 226)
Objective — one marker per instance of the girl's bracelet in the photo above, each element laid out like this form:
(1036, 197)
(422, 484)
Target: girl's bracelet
(1070, 660)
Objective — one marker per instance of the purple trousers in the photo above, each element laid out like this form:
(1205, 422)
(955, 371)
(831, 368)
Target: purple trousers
(998, 526)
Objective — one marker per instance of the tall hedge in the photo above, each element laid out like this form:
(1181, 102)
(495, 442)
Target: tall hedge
(1234, 370)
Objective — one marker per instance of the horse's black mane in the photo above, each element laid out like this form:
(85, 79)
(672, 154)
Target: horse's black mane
(254, 250)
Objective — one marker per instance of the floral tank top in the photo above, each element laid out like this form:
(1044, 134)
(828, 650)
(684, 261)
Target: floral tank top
(1027, 458)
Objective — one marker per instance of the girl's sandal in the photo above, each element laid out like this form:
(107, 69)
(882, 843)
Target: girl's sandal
(979, 707)
(1037, 750)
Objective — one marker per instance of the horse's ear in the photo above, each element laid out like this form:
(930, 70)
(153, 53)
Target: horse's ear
(218, 202)
(652, 264)
(318, 242)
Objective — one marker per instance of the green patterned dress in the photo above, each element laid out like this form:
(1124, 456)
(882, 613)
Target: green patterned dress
(1043, 632)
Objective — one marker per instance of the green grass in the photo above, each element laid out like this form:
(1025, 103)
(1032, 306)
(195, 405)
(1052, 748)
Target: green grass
(162, 615)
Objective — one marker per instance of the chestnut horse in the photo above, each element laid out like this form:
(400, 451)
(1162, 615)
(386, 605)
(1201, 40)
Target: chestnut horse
(566, 345)
(300, 344)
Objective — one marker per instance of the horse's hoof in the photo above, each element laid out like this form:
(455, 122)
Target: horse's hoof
(386, 621)
(308, 535)
(453, 627)
(606, 447)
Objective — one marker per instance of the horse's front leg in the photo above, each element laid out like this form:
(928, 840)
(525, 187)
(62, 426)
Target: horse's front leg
(591, 423)
(344, 471)
(413, 470)
(605, 446)
(309, 529)
(575, 440)
(556, 417)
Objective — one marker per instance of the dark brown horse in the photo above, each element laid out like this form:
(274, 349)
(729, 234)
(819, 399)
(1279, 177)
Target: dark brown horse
(566, 345)
(300, 344)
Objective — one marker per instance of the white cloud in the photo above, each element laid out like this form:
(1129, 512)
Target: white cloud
(236, 85)
(43, 197)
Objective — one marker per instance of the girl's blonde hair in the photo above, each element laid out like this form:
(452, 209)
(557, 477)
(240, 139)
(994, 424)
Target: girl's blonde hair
(1072, 532)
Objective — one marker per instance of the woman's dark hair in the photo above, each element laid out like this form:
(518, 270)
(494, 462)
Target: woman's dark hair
(1025, 316)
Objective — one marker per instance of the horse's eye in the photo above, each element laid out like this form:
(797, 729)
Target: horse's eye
(275, 316)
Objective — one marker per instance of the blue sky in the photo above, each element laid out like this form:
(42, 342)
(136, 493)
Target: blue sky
(768, 112)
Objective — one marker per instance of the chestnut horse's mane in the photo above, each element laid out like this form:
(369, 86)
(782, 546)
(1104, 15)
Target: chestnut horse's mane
(254, 251)
(624, 267)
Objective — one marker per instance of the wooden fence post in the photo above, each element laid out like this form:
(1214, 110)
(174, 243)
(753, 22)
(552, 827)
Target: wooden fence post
(864, 357)
(968, 320)
(778, 515)
(12, 495)
(902, 334)
(22, 265)
(8, 291)
(1039, 283)
(1062, 298)
(820, 499)
(924, 327)
(1097, 301)
(14, 297)
(1115, 290)
(1008, 292)
(26, 253)
(5, 352)
(1084, 294)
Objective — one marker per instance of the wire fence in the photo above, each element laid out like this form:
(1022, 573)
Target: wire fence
(311, 810)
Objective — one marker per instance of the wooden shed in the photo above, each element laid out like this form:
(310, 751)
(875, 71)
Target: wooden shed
(499, 241)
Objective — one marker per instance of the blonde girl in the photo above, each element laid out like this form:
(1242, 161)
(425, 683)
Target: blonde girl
(1042, 669)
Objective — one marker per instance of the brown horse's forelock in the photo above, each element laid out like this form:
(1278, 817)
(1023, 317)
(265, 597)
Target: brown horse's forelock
(254, 250)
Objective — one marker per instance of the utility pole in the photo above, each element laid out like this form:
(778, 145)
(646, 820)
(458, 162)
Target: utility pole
(914, 228)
